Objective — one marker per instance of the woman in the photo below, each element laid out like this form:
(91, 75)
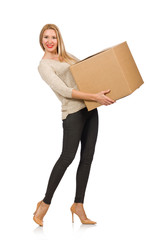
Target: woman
(78, 123)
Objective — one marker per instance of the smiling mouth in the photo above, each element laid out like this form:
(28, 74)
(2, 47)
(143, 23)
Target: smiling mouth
(49, 46)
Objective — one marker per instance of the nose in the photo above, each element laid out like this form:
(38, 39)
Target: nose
(49, 40)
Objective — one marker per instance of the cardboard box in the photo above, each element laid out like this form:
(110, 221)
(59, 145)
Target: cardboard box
(113, 68)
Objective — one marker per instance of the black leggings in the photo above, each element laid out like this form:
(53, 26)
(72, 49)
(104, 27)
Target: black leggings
(81, 125)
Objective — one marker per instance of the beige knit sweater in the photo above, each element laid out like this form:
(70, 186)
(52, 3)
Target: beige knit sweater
(58, 76)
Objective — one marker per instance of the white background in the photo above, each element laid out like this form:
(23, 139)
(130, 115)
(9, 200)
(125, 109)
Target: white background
(122, 192)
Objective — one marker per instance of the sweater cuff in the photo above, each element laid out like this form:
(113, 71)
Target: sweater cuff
(70, 93)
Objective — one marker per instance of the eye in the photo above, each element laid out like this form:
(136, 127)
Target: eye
(52, 37)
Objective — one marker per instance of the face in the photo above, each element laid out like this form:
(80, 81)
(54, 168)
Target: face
(49, 41)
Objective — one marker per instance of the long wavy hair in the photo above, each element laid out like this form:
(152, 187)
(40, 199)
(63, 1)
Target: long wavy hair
(63, 55)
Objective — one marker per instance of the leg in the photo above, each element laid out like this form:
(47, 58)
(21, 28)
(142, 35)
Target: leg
(88, 141)
(72, 130)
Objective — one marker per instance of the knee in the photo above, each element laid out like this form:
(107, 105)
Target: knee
(87, 157)
(67, 158)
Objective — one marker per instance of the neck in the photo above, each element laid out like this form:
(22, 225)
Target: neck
(51, 55)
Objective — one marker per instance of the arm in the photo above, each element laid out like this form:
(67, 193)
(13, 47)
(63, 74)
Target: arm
(82, 95)
(98, 97)
(50, 77)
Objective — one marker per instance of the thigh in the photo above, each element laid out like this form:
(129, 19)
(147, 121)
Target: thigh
(72, 130)
(90, 132)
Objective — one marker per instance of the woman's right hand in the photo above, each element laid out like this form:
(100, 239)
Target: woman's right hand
(102, 99)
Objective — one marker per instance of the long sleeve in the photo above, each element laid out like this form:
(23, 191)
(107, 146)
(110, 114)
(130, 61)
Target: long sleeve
(50, 77)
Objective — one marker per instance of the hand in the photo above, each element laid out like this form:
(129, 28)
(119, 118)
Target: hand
(102, 99)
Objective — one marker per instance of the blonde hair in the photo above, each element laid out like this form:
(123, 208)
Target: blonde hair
(63, 55)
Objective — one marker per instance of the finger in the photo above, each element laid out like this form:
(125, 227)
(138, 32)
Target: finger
(107, 103)
(107, 91)
(110, 100)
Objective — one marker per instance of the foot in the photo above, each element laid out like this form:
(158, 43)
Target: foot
(79, 209)
(42, 210)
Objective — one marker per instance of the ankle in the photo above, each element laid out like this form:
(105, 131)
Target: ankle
(45, 205)
(78, 203)
(79, 206)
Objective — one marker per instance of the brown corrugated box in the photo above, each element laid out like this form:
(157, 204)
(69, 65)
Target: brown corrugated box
(113, 68)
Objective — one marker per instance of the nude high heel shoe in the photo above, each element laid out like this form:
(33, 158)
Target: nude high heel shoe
(35, 218)
(84, 221)
(38, 204)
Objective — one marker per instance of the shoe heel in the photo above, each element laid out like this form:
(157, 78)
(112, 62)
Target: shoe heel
(84, 221)
(72, 217)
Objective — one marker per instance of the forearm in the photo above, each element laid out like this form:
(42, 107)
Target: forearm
(82, 95)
